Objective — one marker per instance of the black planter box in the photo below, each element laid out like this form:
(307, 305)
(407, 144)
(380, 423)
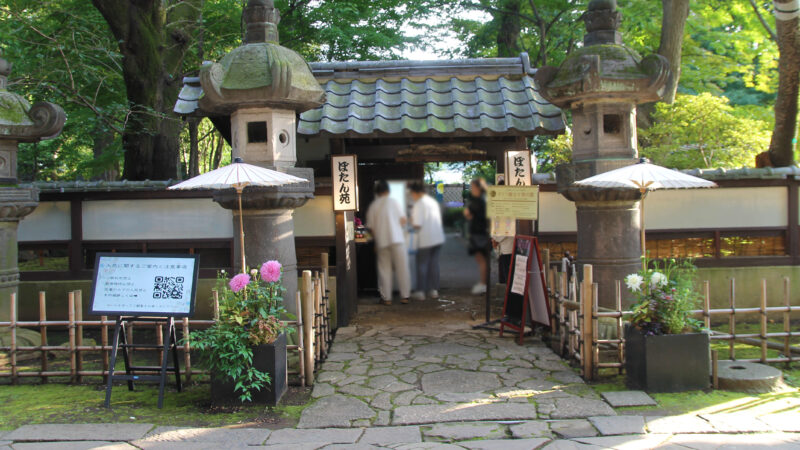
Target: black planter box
(270, 358)
(668, 363)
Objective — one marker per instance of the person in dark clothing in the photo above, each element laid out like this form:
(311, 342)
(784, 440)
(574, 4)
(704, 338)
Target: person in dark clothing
(479, 242)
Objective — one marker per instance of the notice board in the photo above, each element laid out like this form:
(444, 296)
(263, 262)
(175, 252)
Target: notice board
(526, 291)
(139, 284)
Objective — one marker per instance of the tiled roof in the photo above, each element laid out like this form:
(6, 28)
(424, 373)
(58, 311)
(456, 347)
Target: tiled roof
(508, 105)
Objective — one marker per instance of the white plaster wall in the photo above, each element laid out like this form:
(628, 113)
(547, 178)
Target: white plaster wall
(315, 218)
(50, 221)
(717, 208)
(556, 214)
(195, 218)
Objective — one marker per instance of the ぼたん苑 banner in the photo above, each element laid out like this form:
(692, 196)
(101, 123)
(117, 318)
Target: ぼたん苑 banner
(344, 171)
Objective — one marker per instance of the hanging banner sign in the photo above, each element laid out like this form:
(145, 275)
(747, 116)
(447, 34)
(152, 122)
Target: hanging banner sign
(518, 168)
(141, 284)
(518, 202)
(344, 170)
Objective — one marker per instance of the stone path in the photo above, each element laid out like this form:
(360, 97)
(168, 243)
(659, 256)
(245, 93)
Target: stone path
(407, 375)
(778, 431)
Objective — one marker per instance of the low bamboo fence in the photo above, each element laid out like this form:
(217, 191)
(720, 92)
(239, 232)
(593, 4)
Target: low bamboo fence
(576, 334)
(312, 303)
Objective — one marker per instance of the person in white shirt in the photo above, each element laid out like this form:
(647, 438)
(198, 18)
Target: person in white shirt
(426, 218)
(385, 220)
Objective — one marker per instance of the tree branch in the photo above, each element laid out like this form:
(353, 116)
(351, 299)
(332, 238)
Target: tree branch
(763, 21)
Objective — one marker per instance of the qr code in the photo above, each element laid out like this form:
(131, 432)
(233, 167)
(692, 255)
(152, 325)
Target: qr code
(168, 287)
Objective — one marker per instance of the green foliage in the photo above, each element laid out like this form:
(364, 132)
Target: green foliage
(703, 131)
(665, 297)
(247, 318)
(552, 151)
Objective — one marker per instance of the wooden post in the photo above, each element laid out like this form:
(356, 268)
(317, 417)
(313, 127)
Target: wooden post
(715, 369)
(732, 321)
(13, 329)
(322, 343)
(787, 319)
(71, 324)
(300, 348)
(763, 320)
(317, 322)
(586, 325)
(707, 304)
(104, 343)
(621, 344)
(160, 340)
(326, 302)
(187, 355)
(307, 300)
(595, 331)
(546, 263)
(43, 330)
(79, 336)
(215, 294)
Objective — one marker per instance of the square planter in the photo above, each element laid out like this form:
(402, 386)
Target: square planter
(270, 358)
(668, 363)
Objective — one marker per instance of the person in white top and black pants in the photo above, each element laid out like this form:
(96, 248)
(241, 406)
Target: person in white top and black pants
(386, 220)
(426, 218)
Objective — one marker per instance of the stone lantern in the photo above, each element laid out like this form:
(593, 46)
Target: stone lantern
(19, 122)
(601, 83)
(253, 96)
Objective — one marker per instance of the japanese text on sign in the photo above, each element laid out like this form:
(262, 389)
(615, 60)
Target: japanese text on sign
(144, 285)
(518, 168)
(518, 202)
(345, 185)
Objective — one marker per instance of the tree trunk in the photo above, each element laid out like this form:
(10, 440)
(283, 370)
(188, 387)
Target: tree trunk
(153, 36)
(781, 147)
(673, 24)
(194, 148)
(508, 34)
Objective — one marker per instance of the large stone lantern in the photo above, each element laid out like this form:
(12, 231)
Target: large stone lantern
(19, 122)
(253, 95)
(601, 83)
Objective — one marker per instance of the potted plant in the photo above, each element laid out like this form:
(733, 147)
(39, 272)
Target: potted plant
(666, 350)
(245, 349)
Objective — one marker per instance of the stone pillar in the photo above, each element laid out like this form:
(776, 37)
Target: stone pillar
(15, 203)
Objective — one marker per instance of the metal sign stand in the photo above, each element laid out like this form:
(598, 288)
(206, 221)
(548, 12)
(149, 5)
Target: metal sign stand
(170, 346)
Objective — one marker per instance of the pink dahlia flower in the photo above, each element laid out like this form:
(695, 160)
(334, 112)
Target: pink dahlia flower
(239, 282)
(271, 271)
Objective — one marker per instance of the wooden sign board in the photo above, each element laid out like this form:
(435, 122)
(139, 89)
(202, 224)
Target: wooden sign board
(518, 202)
(526, 291)
(141, 284)
(518, 168)
(344, 170)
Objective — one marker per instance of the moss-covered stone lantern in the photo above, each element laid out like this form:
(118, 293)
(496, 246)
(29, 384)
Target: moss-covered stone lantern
(253, 96)
(19, 122)
(601, 83)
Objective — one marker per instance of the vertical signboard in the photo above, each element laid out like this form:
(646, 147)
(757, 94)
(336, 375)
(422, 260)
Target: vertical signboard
(344, 171)
(518, 168)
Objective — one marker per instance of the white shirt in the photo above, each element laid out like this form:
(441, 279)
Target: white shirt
(383, 220)
(427, 218)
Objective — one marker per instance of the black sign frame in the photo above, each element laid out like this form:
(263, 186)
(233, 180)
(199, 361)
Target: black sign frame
(195, 275)
(526, 300)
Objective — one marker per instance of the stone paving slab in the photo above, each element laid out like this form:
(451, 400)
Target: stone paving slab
(174, 445)
(776, 441)
(74, 445)
(788, 422)
(573, 428)
(630, 442)
(79, 432)
(738, 423)
(678, 424)
(329, 435)
(622, 399)
(335, 411)
(421, 414)
(231, 436)
(573, 408)
(535, 428)
(391, 435)
(461, 432)
(504, 444)
(615, 425)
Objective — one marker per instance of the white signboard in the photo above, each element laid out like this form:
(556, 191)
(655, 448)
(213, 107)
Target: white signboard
(517, 202)
(144, 285)
(518, 168)
(520, 274)
(344, 171)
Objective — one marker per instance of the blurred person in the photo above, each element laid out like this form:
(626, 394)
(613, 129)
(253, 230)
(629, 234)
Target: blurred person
(385, 220)
(503, 245)
(426, 218)
(479, 243)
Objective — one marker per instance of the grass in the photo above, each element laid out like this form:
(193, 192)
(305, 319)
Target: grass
(59, 403)
(50, 263)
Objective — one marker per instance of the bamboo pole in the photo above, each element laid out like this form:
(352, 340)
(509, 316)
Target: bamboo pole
(618, 307)
(104, 343)
(43, 331)
(587, 333)
(763, 320)
(79, 334)
(187, 355)
(787, 318)
(13, 330)
(706, 304)
(307, 300)
(215, 294)
(595, 331)
(732, 321)
(71, 317)
(300, 348)
(323, 343)
(318, 343)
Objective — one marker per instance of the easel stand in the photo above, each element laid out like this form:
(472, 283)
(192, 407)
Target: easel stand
(120, 342)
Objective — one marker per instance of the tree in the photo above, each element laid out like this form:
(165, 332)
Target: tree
(703, 131)
(673, 23)
(787, 31)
